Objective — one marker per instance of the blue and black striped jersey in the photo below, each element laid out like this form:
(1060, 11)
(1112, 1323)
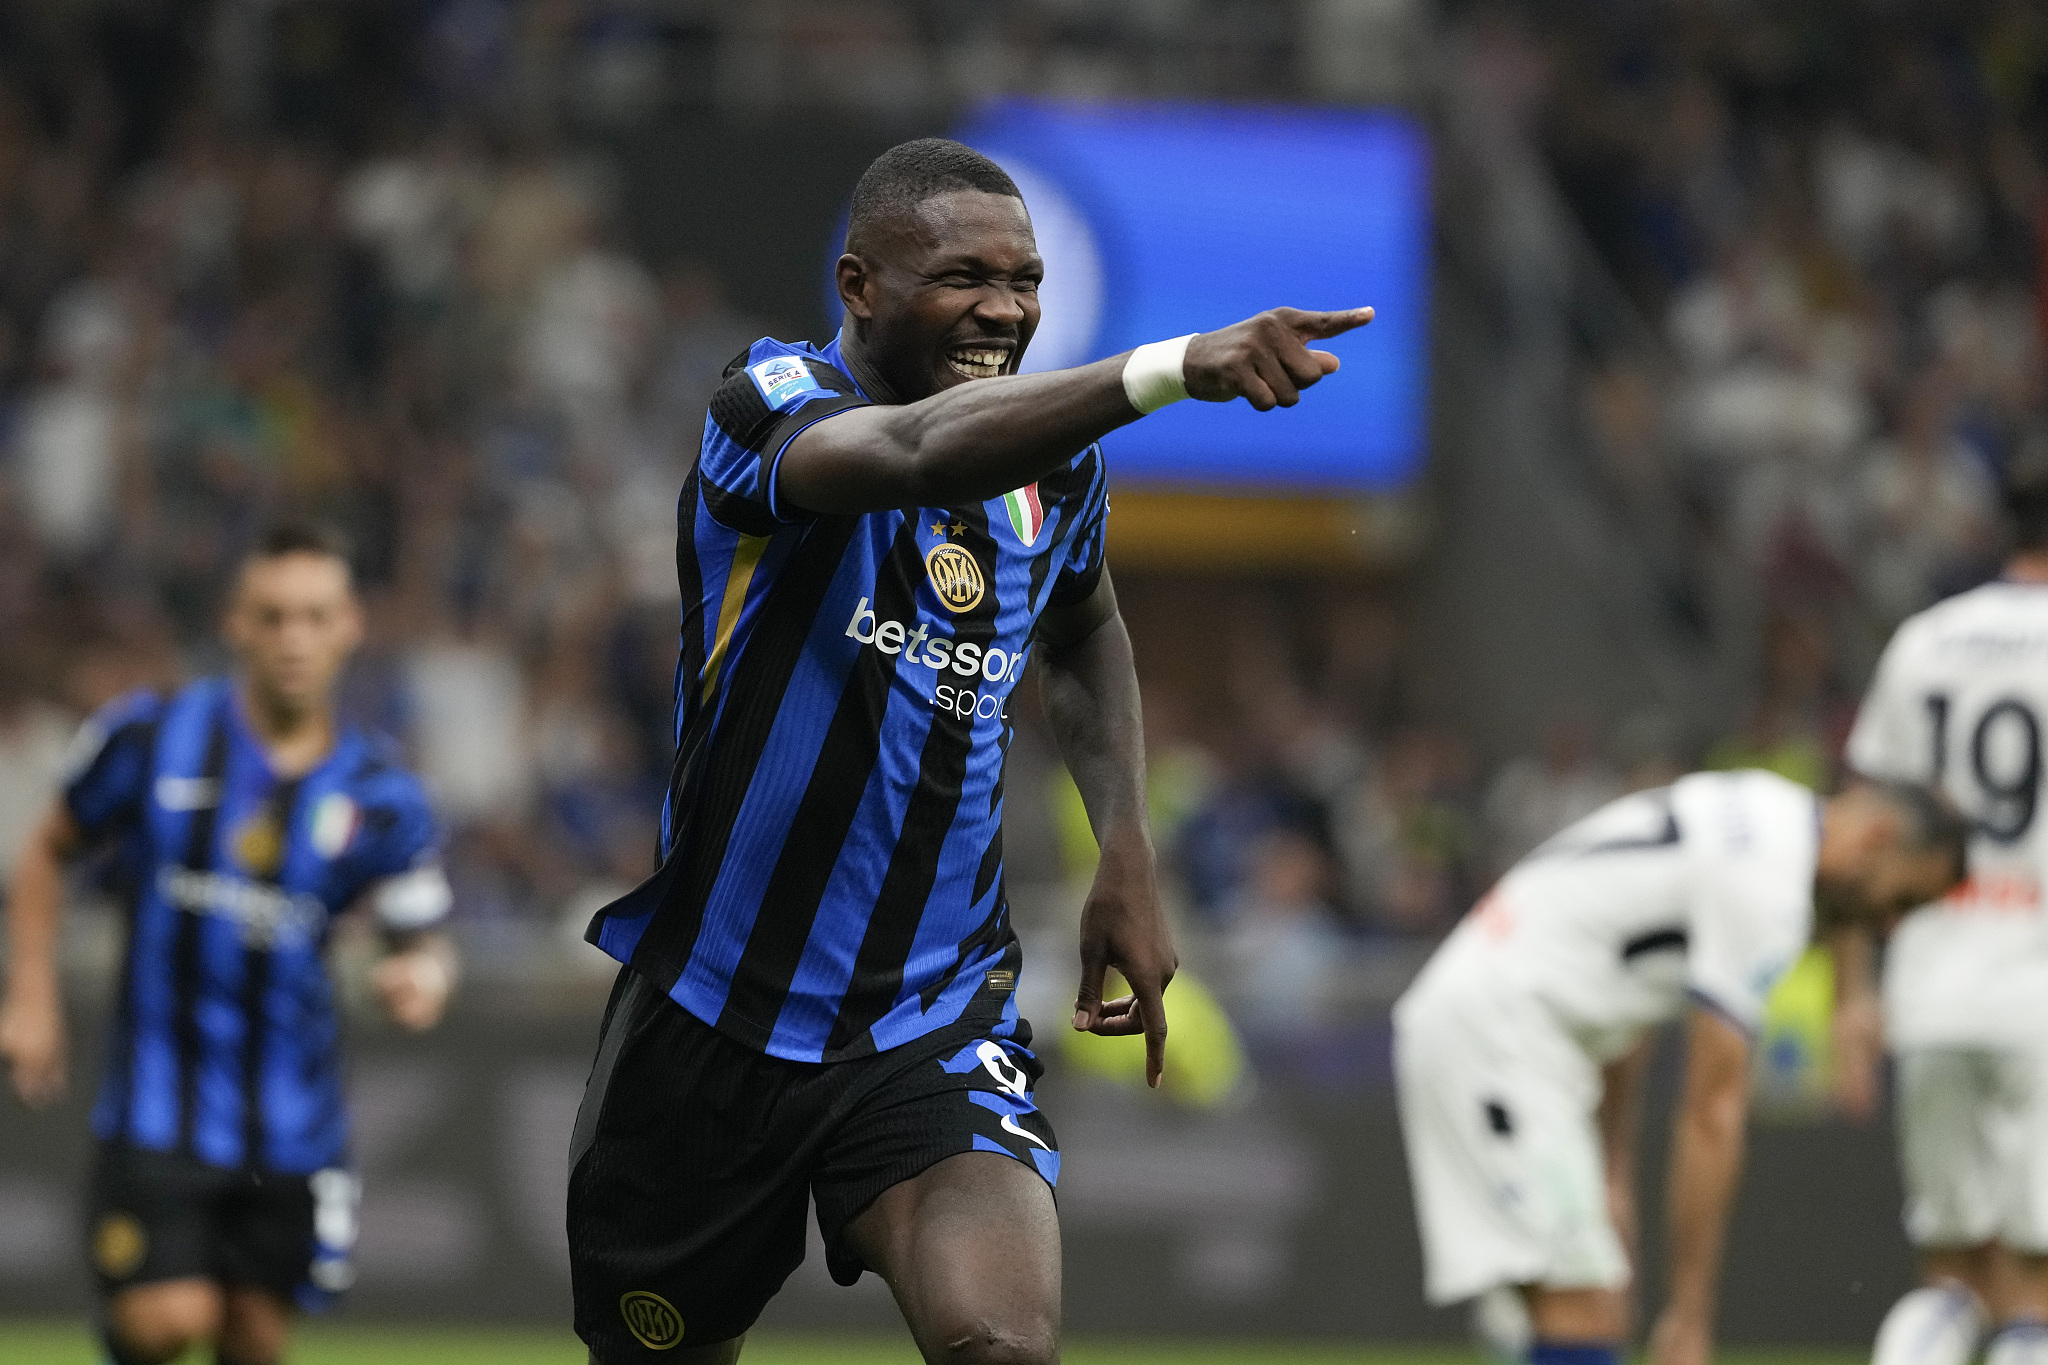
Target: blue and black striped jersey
(832, 877)
(224, 1043)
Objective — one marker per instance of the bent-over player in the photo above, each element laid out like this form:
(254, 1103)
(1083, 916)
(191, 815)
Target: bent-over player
(1959, 699)
(819, 997)
(240, 819)
(1520, 1047)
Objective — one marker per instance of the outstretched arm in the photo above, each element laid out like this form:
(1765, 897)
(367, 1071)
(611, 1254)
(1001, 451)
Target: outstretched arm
(1091, 698)
(32, 1017)
(979, 440)
(1706, 1160)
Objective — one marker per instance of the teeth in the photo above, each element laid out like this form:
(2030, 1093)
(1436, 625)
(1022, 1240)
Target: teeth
(978, 362)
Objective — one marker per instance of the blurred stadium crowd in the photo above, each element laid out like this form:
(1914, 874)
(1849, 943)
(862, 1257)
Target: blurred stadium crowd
(367, 262)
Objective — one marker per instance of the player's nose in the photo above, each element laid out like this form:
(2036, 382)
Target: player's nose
(999, 304)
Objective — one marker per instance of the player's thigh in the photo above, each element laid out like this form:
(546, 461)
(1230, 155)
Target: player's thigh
(971, 1250)
(157, 1321)
(255, 1326)
(939, 1178)
(1949, 1158)
(689, 1181)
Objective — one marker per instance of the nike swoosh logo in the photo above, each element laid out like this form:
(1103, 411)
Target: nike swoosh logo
(1010, 1126)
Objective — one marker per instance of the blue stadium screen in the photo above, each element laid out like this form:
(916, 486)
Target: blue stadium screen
(1158, 220)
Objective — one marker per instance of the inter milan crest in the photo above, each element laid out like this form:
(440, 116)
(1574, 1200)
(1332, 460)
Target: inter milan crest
(955, 575)
(259, 845)
(652, 1319)
(119, 1245)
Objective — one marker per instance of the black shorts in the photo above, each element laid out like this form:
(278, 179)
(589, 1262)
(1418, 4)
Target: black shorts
(163, 1216)
(694, 1154)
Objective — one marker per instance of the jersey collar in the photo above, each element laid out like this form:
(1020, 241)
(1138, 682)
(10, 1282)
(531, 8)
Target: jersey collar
(245, 734)
(831, 355)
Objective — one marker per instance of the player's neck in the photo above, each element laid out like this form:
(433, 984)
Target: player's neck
(864, 371)
(2028, 566)
(295, 738)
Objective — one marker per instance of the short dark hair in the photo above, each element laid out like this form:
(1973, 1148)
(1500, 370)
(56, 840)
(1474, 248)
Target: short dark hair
(909, 173)
(301, 538)
(2025, 483)
(1933, 823)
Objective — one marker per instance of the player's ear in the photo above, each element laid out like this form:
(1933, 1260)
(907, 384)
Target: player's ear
(854, 277)
(352, 623)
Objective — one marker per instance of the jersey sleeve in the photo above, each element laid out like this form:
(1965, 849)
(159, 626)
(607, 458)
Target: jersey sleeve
(755, 414)
(1081, 568)
(407, 888)
(1891, 741)
(106, 772)
(1748, 927)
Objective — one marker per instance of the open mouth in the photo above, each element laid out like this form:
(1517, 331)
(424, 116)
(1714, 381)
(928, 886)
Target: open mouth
(978, 362)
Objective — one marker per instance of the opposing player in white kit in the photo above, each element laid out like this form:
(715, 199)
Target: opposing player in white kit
(1961, 698)
(1519, 1049)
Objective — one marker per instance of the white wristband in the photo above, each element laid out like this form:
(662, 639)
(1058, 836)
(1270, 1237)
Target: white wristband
(1152, 376)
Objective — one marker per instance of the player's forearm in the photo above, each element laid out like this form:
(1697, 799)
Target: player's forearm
(1706, 1162)
(35, 901)
(1620, 1120)
(1855, 961)
(967, 444)
(1621, 1105)
(1091, 700)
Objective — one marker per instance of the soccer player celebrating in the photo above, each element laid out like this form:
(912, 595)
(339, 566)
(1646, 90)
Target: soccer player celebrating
(819, 993)
(241, 818)
(1520, 1047)
(1959, 699)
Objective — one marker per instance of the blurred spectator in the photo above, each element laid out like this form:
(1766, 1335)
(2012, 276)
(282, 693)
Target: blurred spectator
(593, 320)
(700, 335)
(470, 727)
(1283, 950)
(1535, 796)
(1929, 508)
(1799, 719)
(1409, 836)
(1649, 752)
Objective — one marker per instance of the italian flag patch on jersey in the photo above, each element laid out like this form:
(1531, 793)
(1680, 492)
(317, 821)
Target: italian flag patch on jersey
(1027, 518)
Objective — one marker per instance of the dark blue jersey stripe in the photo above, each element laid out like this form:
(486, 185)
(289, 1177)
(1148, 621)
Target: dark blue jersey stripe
(186, 984)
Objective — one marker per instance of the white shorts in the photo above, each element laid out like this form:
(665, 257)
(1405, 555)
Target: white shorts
(1504, 1155)
(1973, 1146)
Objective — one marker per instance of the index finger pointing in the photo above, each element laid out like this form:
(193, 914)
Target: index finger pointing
(1314, 326)
(1152, 1005)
